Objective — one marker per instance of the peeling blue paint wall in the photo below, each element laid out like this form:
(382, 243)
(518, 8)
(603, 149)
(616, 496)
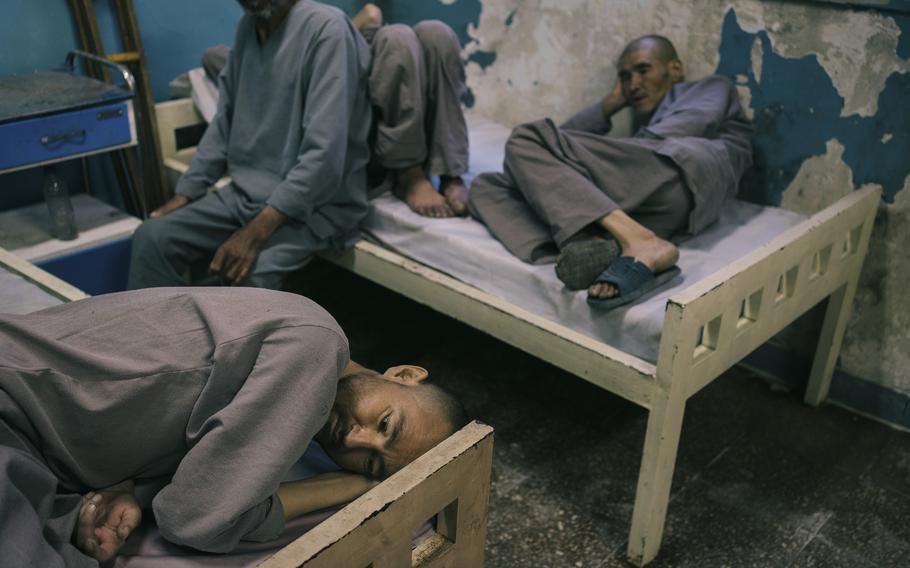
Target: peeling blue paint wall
(797, 110)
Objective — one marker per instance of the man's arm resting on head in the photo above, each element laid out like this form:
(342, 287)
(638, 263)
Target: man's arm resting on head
(596, 118)
(321, 492)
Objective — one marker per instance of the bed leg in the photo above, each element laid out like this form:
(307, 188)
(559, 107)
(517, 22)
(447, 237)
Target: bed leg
(654, 479)
(829, 342)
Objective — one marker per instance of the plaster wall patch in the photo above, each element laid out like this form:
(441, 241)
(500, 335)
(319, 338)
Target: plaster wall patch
(875, 346)
(821, 181)
(757, 59)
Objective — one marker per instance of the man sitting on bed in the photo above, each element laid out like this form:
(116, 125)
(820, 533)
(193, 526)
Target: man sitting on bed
(291, 130)
(416, 84)
(575, 192)
(197, 402)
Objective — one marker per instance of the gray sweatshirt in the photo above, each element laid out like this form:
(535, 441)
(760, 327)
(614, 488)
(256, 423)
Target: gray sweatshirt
(217, 390)
(292, 123)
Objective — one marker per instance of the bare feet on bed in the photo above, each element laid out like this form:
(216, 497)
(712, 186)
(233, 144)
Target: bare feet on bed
(455, 193)
(370, 16)
(638, 242)
(106, 519)
(416, 190)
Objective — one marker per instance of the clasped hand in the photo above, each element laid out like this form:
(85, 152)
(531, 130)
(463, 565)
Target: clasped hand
(106, 518)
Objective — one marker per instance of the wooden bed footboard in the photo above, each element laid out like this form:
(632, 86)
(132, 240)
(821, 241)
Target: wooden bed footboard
(451, 482)
(45, 280)
(714, 323)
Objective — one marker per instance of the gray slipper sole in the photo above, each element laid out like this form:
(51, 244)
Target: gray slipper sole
(580, 262)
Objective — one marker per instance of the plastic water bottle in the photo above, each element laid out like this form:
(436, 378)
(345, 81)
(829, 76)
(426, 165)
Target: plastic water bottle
(57, 197)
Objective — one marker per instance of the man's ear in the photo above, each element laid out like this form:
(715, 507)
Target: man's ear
(406, 374)
(677, 73)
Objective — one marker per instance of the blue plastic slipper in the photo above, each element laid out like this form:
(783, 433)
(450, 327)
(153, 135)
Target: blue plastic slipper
(633, 280)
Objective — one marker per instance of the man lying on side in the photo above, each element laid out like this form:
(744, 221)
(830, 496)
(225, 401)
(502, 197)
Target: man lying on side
(572, 190)
(195, 402)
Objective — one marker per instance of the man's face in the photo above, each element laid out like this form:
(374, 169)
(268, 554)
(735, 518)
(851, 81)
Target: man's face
(645, 79)
(376, 427)
(262, 9)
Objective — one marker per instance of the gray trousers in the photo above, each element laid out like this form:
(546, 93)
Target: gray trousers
(36, 522)
(166, 249)
(557, 183)
(416, 84)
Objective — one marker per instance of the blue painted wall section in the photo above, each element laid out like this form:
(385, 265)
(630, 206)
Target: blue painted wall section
(457, 15)
(903, 42)
(797, 110)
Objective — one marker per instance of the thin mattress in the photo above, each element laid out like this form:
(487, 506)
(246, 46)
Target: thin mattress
(464, 249)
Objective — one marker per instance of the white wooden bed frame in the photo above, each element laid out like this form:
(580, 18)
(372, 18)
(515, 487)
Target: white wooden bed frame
(708, 327)
(450, 482)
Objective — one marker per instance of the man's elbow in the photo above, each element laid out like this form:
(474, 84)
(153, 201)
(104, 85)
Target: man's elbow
(217, 530)
(196, 537)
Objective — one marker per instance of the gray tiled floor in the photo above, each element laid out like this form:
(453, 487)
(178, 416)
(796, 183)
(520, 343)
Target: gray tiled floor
(761, 479)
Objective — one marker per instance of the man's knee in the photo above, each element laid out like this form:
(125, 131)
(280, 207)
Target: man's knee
(438, 37)
(522, 138)
(395, 38)
(152, 234)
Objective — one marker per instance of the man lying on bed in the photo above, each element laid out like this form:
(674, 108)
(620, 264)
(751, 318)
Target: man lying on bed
(196, 401)
(291, 130)
(574, 190)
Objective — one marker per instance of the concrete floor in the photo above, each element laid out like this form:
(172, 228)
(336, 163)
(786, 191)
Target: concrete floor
(761, 479)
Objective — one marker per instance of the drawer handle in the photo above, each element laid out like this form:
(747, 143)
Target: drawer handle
(63, 137)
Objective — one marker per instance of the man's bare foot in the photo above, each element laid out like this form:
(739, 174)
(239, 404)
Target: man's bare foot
(106, 519)
(636, 241)
(416, 190)
(370, 16)
(455, 193)
(655, 253)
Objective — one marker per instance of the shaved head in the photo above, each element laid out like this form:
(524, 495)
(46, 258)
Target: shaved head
(661, 47)
(647, 70)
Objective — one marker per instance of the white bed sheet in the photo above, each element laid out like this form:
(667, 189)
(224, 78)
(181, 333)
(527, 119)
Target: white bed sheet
(464, 249)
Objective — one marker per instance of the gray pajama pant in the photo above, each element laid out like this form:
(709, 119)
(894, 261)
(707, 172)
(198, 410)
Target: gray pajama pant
(556, 183)
(37, 516)
(166, 249)
(416, 84)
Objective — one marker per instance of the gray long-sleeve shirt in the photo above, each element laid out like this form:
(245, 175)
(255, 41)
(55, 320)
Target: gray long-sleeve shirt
(701, 126)
(292, 122)
(218, 389)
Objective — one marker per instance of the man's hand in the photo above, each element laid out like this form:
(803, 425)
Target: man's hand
(106, 519)
(615, 101)
(235, 257)
(173, 203)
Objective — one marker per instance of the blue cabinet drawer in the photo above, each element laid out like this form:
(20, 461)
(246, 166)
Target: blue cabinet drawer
(72, 133)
